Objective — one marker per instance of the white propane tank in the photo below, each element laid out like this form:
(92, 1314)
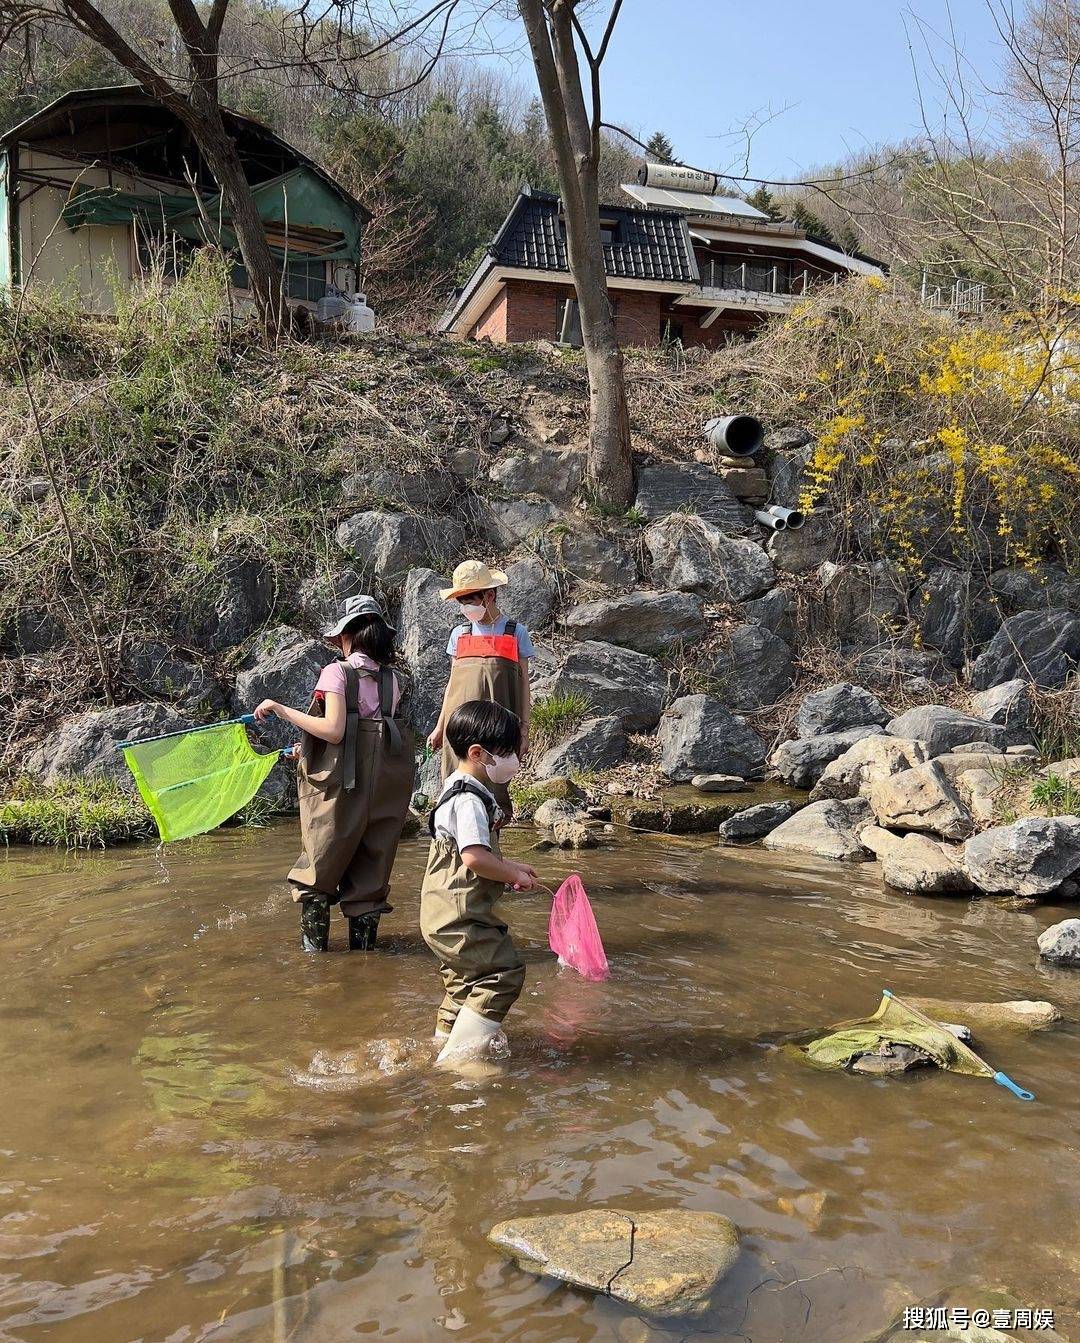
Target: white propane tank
(359, 318)
(332, 307)
(674, 178)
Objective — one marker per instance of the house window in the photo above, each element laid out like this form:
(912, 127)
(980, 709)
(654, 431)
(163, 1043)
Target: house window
(567, 322)
(304, 278)
(671, 333)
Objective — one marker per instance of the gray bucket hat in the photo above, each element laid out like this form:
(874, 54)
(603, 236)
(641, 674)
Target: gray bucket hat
(354, 607)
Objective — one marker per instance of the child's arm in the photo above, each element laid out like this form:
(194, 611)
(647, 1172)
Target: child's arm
(485, 864)
(435, 739)
(330, 728)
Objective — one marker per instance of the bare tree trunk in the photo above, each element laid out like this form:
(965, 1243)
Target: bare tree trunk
(576, 144)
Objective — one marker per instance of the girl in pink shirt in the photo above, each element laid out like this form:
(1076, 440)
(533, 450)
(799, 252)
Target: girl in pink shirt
(355, 780)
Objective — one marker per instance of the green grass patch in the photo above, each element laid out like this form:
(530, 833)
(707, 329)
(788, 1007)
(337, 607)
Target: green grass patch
(73, 814)
(555, 717)
(1060, 797)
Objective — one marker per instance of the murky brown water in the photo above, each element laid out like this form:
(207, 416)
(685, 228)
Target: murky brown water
(180, 1164)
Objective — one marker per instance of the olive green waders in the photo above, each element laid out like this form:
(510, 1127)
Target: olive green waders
(480, 966)
(489, 676)
(354, 796)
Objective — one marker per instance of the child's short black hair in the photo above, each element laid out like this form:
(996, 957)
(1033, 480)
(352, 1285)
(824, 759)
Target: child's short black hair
(482, 722)
(372, 636)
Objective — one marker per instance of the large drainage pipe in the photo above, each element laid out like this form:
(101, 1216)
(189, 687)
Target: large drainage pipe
(735, 435)
(791, 517)
(770, 520)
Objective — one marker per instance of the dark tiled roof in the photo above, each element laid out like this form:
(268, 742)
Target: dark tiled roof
(649, 244)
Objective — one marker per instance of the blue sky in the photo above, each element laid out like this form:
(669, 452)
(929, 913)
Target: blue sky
(697, 69)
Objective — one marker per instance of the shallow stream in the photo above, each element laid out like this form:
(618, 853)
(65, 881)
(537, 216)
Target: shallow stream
(206, 1134)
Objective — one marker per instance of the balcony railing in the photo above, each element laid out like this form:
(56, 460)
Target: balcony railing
(759, 277)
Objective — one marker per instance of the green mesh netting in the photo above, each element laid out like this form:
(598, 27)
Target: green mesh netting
(194, 781)
(895, 1023)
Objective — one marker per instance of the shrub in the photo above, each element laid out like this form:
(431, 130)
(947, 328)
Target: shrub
(555, 717)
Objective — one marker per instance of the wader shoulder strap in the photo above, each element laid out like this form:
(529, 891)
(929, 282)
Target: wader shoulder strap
(458, 787)
(386, 709)
(352, 725)
(511, 627)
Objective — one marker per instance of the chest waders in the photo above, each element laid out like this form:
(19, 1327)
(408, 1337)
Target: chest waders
(354, 796)
(486, 667)
(481, 967)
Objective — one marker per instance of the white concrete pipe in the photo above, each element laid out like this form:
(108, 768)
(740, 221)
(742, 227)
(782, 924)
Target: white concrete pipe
(791, 517)
(735, 435)
(770, 520)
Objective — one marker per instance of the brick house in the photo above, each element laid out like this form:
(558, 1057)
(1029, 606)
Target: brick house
(683, 266)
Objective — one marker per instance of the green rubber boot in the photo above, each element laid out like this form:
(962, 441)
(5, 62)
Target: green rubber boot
(363, 930)
(315, 923)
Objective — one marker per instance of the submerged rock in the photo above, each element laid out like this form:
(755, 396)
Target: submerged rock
(1017, 1015)
(916, 863)
(1031, 857)
(665, 1263)
(755, 822)
(698, 735)
(827, 829)
(1061, 943)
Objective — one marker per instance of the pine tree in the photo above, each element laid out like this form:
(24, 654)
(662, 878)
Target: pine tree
(848, 239)
(659, 148)
(762, 199)
(812, 223)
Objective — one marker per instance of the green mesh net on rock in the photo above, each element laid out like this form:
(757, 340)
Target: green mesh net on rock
(894, 1023)
(192, 781)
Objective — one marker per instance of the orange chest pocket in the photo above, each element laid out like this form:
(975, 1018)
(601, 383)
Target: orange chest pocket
(488, 646)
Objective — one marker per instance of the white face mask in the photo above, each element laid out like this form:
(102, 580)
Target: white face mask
(502, 768)
(473, 612)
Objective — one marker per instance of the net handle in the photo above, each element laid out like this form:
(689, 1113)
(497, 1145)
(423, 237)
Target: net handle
(246, 718)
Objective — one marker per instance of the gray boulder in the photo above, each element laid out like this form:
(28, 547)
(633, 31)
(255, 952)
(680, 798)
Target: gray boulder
(650, 622)
(33, 630)
(322, 596)
(787, 438)
(1007, 705)
(554, 810)
(285, 669)
(1061, 943)
(802, 761)
(698, 735)
(755, 822)
(153, 671)
(692, 555)
(718, 783)
(244, 600)
(423, 632)
(1039, 646)
(1041, 589)
(1031, 857)
(589, 555)
(85, 744)
(806, 548)
(943, 729)
(776, 611)
(509, 523)
(387, 487)
(616, 682)
(530, 594)
(918, 669)
(836, 708)
(553, 473)
(786, 470)
(753, 666)
(851, 774)
(684, 487)
(922, 798)
(916, 863)
(385, 546)
(953, 616)
(598, 744)
(859, 602)
(827, 829)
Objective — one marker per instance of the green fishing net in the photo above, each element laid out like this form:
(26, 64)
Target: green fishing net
(894, 1023)
(193, 781)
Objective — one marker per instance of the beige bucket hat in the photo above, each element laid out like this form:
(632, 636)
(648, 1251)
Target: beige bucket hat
(473, 576)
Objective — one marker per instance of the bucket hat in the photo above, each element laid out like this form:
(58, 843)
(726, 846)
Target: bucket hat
(352, 609)
(473, 576)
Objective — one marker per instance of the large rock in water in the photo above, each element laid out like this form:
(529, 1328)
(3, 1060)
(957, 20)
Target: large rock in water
(753, 666)
(1031, 857)
(665, 1263)
(589, 555)
(836, 708)
(826, 829)
(86, 743)
(698, 735)
(692, 555)
(683, 487)
(530, 594)
(424, 631)
(921, 798)
(1039, 646)
(614, 681)
(1061, 943)
(598, 744)
(385, 546)
(650, 622)
(801, 762)
(916, 863)
(851, 774)
(944, 729)
(553, 473)
(286, 668)
(755, 822)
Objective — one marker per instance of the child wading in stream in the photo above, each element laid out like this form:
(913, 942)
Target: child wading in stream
(355, 780)
(489, 661)
(481, 968)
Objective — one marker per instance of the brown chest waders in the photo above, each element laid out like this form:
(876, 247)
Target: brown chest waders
(354, 796)
(485, 667)
(481, 967)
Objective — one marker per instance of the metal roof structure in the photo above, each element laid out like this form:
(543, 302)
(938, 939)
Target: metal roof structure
(692, 202)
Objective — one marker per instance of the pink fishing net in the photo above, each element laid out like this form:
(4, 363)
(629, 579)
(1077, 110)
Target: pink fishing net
(572, 932)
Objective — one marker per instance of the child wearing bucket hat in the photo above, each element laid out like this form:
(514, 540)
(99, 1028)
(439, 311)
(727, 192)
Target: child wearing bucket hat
(355, 780)
(489, 660)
